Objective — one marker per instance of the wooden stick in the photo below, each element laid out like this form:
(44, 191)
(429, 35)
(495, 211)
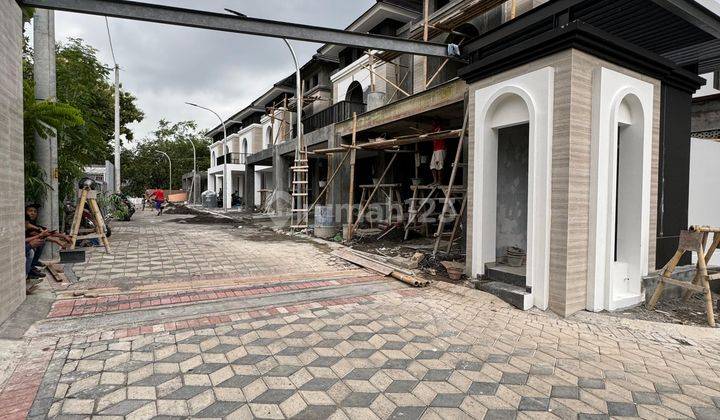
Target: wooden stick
(458, 218)
(458, 153)
(77, 218)
(372, 194)
(353, 156)
(437, 73)
(386, 80)
(426, 35)
(401, 82)
(327, 185)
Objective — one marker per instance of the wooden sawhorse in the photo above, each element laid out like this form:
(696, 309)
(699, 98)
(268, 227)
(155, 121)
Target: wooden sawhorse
(693, 240)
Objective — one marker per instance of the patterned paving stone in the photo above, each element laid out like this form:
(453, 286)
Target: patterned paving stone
(562, 391)
(407, 413)
(448, 400)
(621, 409)
(483, 388)
(219, 409)
(534, 404)
(359, 399)
(591, 383)
(123, 408)
(238, 381)
(438, 352)
(273, 396)
(319, 384)
(495, 414)
(651, 398)
(509, 378)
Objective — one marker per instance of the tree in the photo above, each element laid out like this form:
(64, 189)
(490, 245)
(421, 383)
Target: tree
(82, 83)
(145, 168)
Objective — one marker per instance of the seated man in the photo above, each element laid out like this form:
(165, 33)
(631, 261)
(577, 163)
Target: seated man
(33, 228)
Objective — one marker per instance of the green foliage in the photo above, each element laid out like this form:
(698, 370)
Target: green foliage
(144, 168)
(83, 116)
(117, 208)
(42, 118)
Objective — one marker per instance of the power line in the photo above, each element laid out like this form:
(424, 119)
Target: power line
(112, 50)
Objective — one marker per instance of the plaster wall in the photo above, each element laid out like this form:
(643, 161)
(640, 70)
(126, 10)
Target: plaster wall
(704, 181)
(356, 72)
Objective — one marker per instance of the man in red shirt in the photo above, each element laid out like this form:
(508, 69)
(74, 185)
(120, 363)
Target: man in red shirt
(159, 197)
(437, 162)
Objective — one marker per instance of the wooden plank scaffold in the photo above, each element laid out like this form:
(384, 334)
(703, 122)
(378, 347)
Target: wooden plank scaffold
(692, 240)
(89, 197)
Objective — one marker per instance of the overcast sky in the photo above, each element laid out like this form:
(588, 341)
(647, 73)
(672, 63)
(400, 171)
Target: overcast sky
(165, 66)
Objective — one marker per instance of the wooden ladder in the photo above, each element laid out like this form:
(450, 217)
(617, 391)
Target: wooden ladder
(694, 240)
(449, 194)
(300, 209)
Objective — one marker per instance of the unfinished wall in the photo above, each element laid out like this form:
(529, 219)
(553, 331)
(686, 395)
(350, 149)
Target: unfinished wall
(512, 191)
(12, 262)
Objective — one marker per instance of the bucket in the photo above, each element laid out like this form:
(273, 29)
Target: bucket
(324, 222)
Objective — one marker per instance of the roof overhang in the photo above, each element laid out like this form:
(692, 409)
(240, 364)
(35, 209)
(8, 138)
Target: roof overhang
(644, 35)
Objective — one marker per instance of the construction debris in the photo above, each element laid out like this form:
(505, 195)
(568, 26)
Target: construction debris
(382, 265)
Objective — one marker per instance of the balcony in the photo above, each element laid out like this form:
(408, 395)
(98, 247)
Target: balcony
(339, 112)
(232, 158)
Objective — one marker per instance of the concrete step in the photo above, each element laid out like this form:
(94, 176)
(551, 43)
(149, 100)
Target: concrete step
(514, 295)
(505, 274)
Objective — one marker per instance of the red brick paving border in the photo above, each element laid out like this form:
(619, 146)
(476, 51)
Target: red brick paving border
(104, 304)
(213, 320)
(17, 397)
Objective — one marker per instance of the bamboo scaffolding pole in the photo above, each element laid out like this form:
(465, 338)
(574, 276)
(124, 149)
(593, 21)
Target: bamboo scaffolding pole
(437, 73)
(448, 193)
(351, 198)
(332, 178)
(373, 72)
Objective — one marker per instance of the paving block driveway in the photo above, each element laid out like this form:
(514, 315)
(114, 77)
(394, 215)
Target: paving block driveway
(328, 340)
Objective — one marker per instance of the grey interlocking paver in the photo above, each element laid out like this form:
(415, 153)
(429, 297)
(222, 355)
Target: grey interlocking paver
(621, 409)
(439, 352)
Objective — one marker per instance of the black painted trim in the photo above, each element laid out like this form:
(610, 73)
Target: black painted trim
(583, 37)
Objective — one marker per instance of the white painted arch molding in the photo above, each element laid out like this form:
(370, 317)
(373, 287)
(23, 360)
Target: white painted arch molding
(622, 109)
(526, 99)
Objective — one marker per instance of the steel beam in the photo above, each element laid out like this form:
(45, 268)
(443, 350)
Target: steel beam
(221, 22)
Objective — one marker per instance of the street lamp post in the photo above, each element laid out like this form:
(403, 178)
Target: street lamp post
(169, 163)
(226, 203)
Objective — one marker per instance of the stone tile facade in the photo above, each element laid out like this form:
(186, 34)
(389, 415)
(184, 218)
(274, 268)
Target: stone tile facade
(12, 260)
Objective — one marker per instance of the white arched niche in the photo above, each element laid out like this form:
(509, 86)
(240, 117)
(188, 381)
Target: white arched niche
(524, 100)
(267, 138)
(620, 190)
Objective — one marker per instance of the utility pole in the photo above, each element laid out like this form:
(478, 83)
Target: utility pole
(118, 183)
(46, 148)
(117, 129)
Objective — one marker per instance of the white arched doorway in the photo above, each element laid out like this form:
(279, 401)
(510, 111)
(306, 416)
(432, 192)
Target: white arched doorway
(620, 190)
(512, 146)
